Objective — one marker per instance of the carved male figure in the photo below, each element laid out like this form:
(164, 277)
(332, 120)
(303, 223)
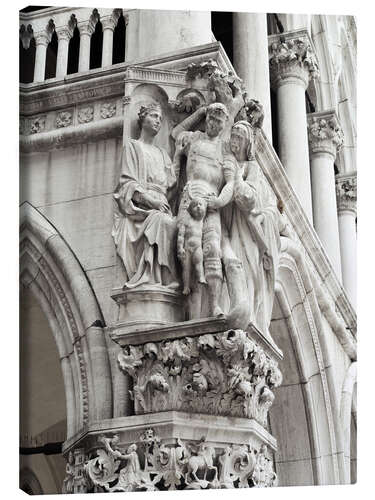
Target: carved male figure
(208, 176)
(189, 243)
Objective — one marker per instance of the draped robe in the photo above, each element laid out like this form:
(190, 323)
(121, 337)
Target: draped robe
(254, 235)
(144, 237)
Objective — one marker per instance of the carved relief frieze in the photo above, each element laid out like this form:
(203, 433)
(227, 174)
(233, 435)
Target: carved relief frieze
(346, 192)
(37, 124)
(219, 374)
(151, 465)
(63, 119)
(108, 109)
(86, 114)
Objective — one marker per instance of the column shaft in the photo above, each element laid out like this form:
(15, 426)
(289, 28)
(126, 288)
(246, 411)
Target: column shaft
(325, 206)
(293, 143)
(346, 190)
(107, 47)
(348, 246)
(250, 53)
(40, 60)
(62, 57)
(84, 52)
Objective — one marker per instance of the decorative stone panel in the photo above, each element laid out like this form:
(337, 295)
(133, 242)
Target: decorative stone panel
(151, 465)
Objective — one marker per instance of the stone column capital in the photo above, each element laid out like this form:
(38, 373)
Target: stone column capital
(86, 27)
(109, 23)
(324, 132)
(292, 58)
(26, 35)
(64, 33)
(42, 38)
(346, 192)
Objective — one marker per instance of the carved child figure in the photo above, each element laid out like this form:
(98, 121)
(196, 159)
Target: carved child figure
(189, 243)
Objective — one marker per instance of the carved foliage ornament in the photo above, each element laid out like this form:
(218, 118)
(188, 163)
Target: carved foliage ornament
(37, 124)
(86, 115)
(325, 134)
(151, 465)
(64, 119)
(108, 110)
(346, 192)
(288, 55)
(223, 374)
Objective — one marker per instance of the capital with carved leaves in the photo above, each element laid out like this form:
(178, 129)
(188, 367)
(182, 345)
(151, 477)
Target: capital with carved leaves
(292, 58)
(325, 133)
(346, 192)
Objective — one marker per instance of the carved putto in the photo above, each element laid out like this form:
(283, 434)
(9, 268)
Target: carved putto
(151, 465)
(223, 374)
(37, 124)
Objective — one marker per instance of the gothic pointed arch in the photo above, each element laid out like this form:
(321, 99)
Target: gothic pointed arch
(305, 404)
(50, 270)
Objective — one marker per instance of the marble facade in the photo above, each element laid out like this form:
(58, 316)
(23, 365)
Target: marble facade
(200, 286)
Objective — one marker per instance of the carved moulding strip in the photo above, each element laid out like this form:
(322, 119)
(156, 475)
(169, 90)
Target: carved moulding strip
(53, 280)
(226, 373)
(68, 136)
(162, 452)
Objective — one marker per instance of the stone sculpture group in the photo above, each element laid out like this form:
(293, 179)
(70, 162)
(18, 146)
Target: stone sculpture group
(220, 247)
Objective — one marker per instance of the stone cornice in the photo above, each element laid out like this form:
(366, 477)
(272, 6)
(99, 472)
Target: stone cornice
(346, 192)
(324, 132)
(291, 57)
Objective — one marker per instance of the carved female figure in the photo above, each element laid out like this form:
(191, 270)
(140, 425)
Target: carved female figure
(256, 226)
(144, 228)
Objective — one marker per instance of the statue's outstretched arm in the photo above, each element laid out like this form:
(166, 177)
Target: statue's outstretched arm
(189, 122)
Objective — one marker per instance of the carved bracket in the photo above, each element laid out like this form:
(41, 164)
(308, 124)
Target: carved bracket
(219, 374)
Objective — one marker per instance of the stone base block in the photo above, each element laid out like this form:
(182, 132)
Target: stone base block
(146, 307)
(168, 451)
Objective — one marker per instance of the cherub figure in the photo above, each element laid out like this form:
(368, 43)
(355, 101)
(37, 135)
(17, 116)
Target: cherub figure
(189, 242)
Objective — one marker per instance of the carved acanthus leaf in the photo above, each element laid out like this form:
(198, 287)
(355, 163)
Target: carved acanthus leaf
(220, 374)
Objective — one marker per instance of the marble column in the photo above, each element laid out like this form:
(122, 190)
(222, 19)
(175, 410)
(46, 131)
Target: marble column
(109, 25)
(346, 192)
(41, 41)
(325, 138)
(250, 54)
(63, 35)
(292, 64)
(85, 31)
